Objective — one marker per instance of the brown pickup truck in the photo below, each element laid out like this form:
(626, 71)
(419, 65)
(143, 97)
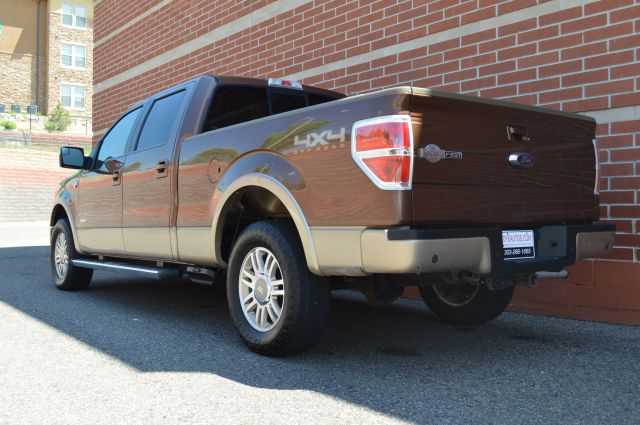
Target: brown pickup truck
(286, 192)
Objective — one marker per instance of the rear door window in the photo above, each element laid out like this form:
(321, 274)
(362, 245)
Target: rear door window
(161, 119)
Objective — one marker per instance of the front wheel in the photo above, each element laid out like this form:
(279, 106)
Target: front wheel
(465, 304)
(278, 306)
(65, 275)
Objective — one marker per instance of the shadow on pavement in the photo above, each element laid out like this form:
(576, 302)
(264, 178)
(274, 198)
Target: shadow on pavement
(395, 359)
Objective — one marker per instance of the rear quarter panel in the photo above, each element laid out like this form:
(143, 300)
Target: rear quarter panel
(327, 184)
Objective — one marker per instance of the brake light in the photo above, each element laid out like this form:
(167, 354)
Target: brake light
(596, 187)
(285, 83)
(383, 148)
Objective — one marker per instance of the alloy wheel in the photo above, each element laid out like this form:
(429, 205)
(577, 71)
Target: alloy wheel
(261, 289)
(61, 256)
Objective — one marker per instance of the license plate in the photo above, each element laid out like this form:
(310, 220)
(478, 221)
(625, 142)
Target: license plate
(518, 244)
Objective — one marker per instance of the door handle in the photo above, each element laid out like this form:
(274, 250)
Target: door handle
(115, 178)
(162, 169)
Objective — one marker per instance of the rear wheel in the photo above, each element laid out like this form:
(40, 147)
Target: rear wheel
(65, 275)
(465, 304)
(278, 306)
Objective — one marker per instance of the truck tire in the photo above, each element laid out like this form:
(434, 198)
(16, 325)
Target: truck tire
(465, 304)
(65, 275)
(278, 306)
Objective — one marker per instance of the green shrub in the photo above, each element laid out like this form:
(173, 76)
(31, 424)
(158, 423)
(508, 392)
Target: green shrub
(8, 124)
(50, 125)
(58, 120)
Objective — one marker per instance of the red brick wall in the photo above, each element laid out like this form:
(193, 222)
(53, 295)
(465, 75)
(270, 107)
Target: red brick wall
(28, 183)
(579, 59)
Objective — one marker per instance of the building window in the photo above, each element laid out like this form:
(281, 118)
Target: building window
(72, 96)
(74, 16)
(73, 55)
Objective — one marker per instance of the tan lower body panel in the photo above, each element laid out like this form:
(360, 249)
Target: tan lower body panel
(338, 250)
(108, 240)
(194, 245)
(152, 242)
(356, 251)
(381, 255)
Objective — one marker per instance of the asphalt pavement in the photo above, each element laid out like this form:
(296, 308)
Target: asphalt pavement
(132, 350)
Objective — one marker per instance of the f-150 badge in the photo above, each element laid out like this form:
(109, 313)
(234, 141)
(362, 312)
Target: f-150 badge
(434, 154)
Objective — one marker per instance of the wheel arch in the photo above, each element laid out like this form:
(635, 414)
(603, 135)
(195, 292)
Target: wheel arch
(270, 186)
(61, 209)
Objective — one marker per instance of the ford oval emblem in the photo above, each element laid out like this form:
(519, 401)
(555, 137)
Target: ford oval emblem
(521, 160)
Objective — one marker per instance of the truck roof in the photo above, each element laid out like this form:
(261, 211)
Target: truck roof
(264, 82)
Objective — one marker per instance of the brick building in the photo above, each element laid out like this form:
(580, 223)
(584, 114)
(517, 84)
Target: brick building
(46, 55)
(574, 55)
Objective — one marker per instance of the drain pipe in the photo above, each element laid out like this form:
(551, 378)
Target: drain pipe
(38, 55)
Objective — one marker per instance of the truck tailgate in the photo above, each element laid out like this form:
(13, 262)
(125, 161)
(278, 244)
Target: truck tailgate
(462, 173)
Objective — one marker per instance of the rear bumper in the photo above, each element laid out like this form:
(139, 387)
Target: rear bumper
(358, 251)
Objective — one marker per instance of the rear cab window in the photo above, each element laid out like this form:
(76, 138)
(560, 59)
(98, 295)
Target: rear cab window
(236, 104)
(285, 101)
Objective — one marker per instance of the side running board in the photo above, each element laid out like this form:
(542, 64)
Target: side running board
(149, 271)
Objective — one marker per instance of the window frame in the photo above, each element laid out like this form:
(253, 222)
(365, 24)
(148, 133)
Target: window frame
(74, 16)
(73, 55)
(84, 96)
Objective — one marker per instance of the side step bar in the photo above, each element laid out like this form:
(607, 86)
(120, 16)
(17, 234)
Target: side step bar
(149, 271)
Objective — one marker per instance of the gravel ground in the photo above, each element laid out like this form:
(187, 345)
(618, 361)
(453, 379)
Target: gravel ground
(130, 350)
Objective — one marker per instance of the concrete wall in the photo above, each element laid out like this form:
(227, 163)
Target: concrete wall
(573, 55)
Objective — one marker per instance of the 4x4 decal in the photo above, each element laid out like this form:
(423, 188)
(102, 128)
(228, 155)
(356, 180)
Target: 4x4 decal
(319, 139)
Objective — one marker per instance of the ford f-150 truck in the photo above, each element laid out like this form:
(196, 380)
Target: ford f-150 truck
(286, 192)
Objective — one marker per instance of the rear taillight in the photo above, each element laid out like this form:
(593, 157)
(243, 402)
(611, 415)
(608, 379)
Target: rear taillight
(383, 148)
(596, 187)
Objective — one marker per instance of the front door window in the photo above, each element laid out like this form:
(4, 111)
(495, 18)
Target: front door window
(115, 142)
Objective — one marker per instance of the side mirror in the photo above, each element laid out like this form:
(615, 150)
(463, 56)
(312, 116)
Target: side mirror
(71, 157)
